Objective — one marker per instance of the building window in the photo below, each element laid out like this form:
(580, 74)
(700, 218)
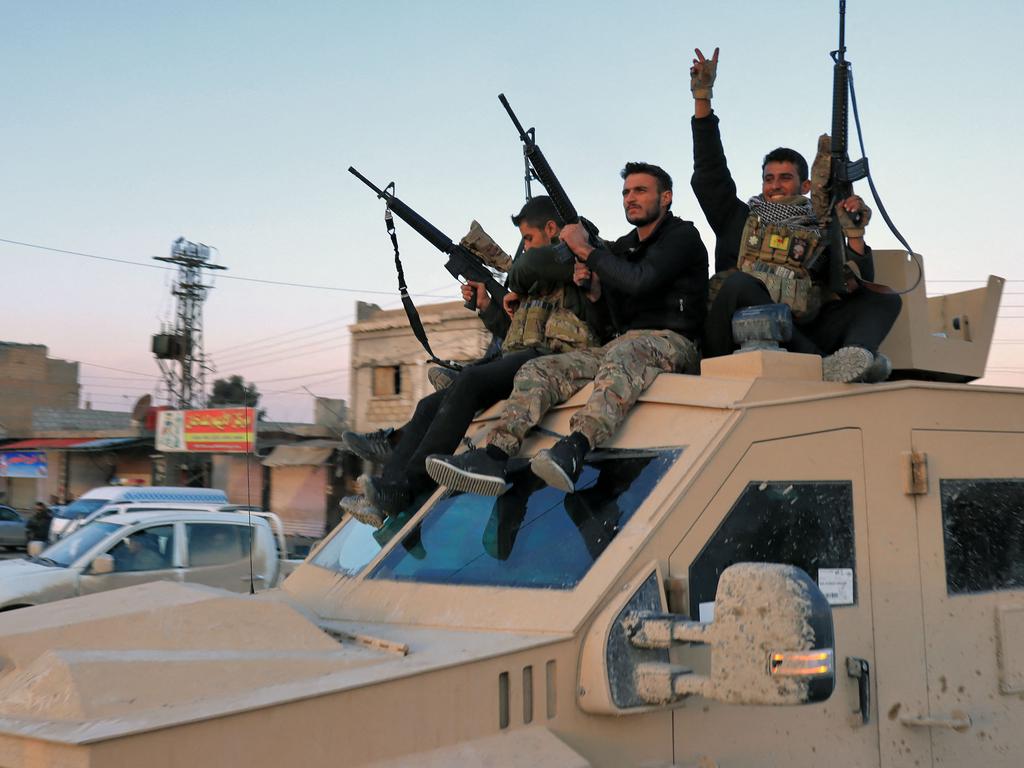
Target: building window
(983, 532)
(387, 380)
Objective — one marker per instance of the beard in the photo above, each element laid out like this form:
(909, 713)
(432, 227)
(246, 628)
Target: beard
(644, 216)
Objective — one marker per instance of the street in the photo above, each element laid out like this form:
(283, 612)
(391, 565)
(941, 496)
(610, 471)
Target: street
(9, 555)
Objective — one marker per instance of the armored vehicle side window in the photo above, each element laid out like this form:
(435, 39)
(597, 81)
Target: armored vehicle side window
(533, 536)
(983, 532)
(806, 524)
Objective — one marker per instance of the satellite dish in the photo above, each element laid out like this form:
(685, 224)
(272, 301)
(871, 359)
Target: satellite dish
(142, 406)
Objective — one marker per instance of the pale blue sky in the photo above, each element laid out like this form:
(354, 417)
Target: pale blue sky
(127, 124)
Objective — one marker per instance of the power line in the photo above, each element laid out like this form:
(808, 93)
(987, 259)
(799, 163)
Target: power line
(223, 277)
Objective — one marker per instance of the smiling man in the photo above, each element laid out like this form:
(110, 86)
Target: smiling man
(655, 282)
(763, 247)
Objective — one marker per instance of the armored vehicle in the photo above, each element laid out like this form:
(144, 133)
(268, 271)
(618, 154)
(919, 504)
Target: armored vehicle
(762, 569)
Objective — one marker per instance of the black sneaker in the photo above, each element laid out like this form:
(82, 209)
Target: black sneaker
(371, 446)
(560, 465)
(389, 497)
(472, 472)
(362, 510)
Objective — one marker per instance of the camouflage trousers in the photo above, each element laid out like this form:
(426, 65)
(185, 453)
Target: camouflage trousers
(620, 370)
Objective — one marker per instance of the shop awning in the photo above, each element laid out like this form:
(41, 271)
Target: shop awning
(44, 443)
(73, 443)
(310, 453)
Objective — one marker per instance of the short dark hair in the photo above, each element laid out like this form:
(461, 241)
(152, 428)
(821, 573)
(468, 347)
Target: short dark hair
(787, 155)
(664, 180)
(537, 212)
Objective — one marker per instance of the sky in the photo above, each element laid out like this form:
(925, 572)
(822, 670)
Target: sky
(128, 124)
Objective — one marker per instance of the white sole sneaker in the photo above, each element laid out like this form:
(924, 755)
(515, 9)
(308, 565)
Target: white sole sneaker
(547, 470)
(458, 479)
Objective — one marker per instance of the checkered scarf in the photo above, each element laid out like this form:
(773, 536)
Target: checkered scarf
(796, 212)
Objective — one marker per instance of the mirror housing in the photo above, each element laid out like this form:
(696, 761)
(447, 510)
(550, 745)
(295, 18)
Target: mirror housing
(35, 548)
(771, 642)
(101, 565)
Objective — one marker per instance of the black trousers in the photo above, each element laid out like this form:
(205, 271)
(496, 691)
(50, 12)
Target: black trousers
(442, 418)
(861, 319)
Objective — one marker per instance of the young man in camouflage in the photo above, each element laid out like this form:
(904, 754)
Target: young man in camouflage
(551, 314)
(762, 247)
(655, 282)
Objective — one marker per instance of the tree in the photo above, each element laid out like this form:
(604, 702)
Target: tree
(234, 391)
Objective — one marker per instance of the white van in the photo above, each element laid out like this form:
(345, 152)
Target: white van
(101, 501)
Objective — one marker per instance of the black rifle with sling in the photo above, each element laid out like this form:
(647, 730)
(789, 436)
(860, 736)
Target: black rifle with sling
(543, 173)
(462, 263)
(843, 172)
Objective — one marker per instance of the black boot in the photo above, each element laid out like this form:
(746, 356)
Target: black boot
(389, 497)
(478, 471)
(559, 466)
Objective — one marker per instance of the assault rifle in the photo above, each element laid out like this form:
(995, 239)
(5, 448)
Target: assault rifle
(843, 172)
(461, 261)
(542, 171)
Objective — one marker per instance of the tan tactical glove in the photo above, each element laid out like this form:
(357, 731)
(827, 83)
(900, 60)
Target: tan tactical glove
(850, 227)
(821, 169)
(702, 78)
(481, 244)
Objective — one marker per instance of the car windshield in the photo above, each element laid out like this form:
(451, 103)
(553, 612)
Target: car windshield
(533, 536)
(69, 549)
(81, 508)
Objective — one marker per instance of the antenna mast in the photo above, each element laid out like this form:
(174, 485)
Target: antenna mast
(179, 347)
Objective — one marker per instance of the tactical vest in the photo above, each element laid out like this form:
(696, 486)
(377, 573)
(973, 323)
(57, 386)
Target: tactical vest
(775, 254)
(544, 322)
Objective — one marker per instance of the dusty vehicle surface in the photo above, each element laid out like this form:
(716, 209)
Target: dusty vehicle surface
(541, 629)
(195, 545)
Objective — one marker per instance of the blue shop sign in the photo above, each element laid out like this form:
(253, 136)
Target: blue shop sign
(23, 464)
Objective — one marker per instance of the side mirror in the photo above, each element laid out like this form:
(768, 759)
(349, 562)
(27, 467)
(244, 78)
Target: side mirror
(771, 642)
(102, 564)
(35, 548)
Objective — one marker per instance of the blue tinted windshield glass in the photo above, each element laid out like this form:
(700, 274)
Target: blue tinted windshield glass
(533, 536)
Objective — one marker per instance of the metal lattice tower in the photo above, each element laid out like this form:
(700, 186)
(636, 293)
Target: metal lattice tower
(179, 347)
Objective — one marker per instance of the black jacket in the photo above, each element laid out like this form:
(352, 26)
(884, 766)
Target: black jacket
(658, 283)
(726, 214)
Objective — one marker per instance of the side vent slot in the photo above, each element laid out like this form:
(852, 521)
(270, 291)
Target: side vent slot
(551, 672)
(503, 700)
(527, 695)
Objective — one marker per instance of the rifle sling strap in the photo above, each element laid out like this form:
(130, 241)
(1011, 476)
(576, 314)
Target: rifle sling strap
(410, 309)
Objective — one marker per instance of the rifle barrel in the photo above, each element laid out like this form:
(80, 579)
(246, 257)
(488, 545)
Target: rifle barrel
(515, 120)
(365, 181)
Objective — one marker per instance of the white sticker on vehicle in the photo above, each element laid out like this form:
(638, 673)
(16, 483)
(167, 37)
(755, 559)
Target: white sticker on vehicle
(837, 585)
(706, 612)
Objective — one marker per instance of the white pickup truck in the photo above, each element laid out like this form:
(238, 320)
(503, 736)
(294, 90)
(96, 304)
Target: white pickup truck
(199, 545)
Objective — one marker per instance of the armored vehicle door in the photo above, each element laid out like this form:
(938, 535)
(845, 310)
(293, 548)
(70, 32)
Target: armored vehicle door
(970, 522)
(800, 501)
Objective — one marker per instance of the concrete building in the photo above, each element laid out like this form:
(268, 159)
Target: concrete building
(389, 366)
(29, 379)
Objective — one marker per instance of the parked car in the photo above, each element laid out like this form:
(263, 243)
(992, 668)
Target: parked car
(99, 502)
(12, 528)
(199, 545)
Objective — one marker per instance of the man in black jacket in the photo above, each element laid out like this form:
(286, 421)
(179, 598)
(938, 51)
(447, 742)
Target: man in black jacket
(441, 419)
(655, 282)
(762, 247)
